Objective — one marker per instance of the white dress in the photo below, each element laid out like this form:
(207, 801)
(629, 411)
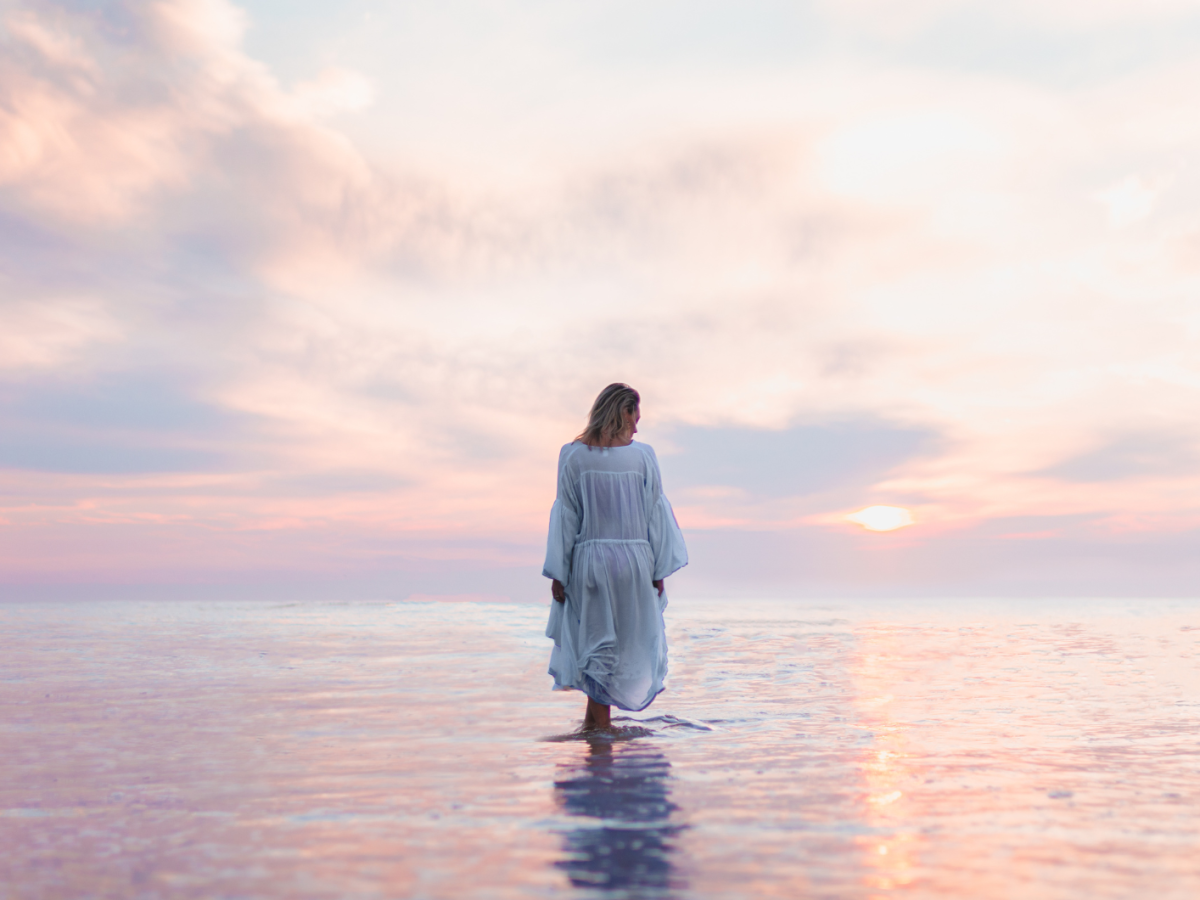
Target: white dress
(612, 532)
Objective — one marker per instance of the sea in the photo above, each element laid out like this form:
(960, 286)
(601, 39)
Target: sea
(1029, 749)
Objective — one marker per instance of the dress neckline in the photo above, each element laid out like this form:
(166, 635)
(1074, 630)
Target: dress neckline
(602, 447)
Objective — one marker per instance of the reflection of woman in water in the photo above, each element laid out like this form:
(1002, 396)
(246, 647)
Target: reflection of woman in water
(623, 839)
(613, 540)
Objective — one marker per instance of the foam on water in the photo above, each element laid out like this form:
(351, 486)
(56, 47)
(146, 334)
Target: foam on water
(398, 750)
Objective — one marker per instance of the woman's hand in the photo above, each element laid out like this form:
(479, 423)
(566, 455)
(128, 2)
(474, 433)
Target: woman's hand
(557, 591)
(661, 584)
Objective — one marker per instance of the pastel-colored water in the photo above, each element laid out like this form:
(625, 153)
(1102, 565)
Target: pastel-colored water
(999, 750)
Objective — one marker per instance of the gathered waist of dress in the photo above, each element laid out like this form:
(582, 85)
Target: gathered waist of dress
(613, 541)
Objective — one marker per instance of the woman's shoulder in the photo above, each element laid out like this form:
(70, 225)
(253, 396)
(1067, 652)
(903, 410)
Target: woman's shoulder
(648, 455)
(568, 450)
(646, 449)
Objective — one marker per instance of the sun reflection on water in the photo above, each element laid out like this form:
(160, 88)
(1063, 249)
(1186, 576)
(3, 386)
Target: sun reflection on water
(891, 849)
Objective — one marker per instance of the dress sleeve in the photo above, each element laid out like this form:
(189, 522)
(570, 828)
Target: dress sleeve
(666, 540)
(564, 524)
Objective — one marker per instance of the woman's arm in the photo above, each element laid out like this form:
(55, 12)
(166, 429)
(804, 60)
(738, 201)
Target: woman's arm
(666, 540)
(564, 526)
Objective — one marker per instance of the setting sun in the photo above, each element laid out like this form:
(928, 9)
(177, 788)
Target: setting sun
(882, 518)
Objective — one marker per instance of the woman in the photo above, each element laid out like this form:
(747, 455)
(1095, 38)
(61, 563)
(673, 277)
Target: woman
(613, 540)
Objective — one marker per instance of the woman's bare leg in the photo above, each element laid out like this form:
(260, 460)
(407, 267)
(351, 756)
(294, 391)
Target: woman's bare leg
(597, 715)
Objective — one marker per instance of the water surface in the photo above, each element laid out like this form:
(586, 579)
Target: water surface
(986, 750)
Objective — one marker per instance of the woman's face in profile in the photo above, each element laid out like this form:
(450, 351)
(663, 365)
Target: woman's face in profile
(631, 420)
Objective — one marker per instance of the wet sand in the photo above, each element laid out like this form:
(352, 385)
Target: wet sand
(984, 750)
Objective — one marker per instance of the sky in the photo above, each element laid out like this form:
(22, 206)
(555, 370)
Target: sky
(301, 299)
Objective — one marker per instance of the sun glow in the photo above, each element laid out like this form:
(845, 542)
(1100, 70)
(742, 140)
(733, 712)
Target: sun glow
(882, 518)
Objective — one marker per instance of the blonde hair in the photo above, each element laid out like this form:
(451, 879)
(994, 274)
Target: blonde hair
(606, 420)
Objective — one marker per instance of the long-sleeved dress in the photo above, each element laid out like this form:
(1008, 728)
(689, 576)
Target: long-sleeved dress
(612, 532)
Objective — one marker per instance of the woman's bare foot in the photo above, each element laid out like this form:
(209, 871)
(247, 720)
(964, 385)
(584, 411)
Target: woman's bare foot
(597, 716)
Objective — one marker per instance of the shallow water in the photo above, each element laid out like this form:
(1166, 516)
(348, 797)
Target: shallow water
(987, 750)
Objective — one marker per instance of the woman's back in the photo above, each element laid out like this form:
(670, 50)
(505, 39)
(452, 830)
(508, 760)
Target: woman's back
(610, 485)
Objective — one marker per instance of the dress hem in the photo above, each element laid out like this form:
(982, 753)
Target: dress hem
(597, 692)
